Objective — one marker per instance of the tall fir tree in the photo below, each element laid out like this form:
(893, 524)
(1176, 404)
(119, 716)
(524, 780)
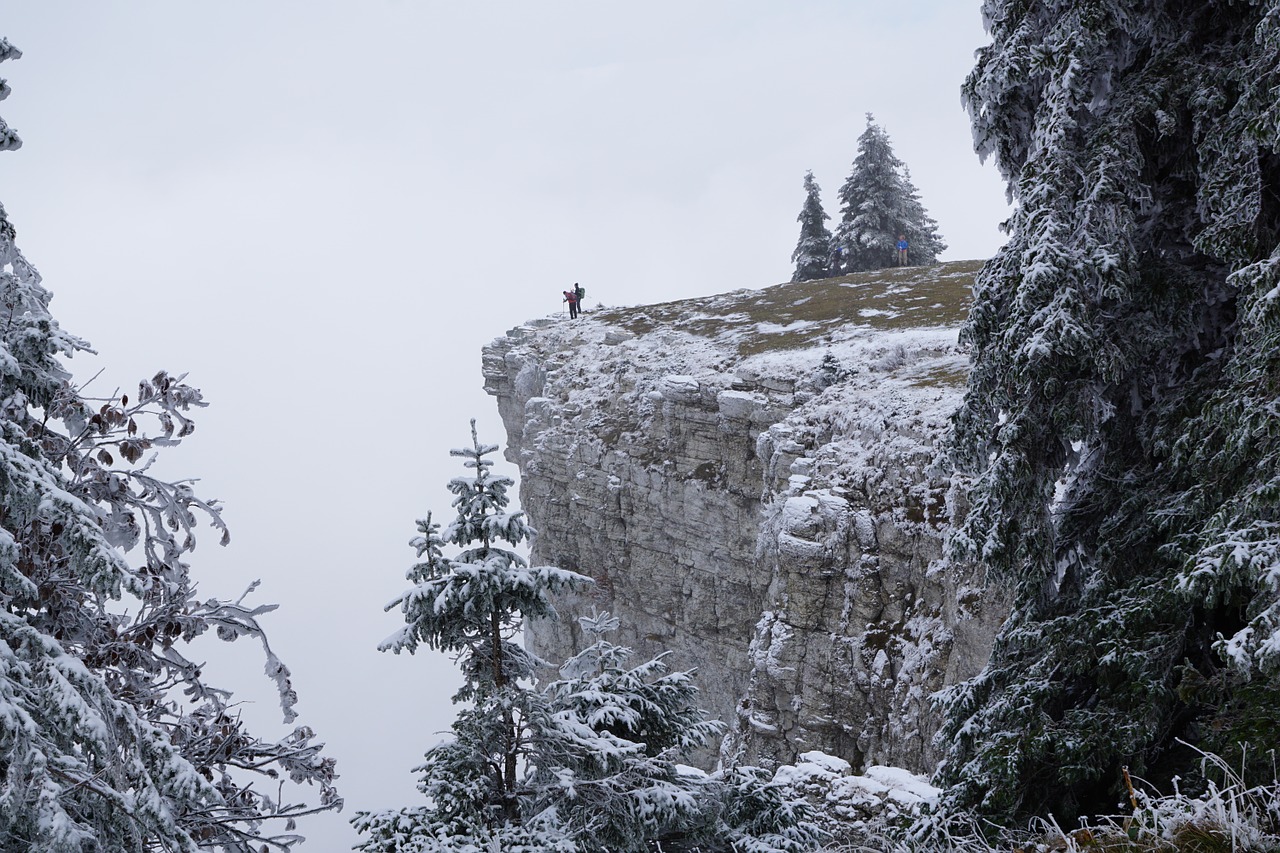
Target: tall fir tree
(586, 764)
(110, 739)
(878, 203)
(812, 256)
(1120, 425)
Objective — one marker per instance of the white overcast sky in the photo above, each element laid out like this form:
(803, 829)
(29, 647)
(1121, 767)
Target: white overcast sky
(322, 209)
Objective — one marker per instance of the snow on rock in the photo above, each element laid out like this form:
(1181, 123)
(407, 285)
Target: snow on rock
(753, 481)
(904, 785)
(828, 763)
(845, 802)
(740, 405)
(678, 387)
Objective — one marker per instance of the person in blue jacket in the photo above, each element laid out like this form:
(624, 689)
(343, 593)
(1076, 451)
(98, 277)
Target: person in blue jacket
(902, 250)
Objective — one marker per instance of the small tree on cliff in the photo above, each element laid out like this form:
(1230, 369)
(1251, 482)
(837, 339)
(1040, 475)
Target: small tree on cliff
(877, 203)
(621, 731)
(812, 256)
(587, 764)
(472, 605)
(618, 788)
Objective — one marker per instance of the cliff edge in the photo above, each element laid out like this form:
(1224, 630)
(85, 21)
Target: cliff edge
(753, 481)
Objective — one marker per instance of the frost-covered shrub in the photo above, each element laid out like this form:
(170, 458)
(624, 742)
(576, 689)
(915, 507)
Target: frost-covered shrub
(1231, 815)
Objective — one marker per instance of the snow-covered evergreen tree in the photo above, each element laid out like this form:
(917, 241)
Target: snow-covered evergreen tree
(586, 764)
(1120, 425)
(611, 774)
(109, 737)
(878, 203)
(812, 256)
(472, 605)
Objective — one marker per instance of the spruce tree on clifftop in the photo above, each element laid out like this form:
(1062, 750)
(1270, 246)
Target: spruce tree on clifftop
(812, 256)
(1120, 428)
(877, 203)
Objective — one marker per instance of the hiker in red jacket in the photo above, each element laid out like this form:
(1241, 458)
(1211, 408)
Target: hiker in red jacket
(571, 296)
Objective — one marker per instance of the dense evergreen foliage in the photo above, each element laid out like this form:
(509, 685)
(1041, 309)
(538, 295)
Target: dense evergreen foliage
(812, 256)
(110, 739)
(1121, 426)
(585, 764)
(878, 203)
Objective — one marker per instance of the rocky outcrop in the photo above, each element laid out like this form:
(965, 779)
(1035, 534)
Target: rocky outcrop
(752, 481)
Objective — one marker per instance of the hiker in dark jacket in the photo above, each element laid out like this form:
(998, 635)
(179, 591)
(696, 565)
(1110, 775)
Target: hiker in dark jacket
(581, 293)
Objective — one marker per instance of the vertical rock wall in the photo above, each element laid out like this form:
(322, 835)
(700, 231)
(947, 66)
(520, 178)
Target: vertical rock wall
(751, 480)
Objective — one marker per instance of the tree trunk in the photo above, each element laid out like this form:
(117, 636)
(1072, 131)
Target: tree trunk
(507, 776)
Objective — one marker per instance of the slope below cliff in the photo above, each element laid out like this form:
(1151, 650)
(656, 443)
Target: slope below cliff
(751, 478)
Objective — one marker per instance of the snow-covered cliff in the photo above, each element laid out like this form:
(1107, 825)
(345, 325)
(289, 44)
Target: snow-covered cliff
(752, 480)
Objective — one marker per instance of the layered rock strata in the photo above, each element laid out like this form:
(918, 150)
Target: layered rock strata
(752, 480)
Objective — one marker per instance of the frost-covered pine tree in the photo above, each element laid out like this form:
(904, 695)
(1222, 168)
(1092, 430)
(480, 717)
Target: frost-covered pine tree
(1120, 425)
(609, 767)
(585, 764)
(610, 770)
(812, 256)
(878, 202)
(110, 739)
(472, 606)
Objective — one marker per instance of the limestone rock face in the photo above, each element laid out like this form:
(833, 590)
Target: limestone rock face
(754, 482)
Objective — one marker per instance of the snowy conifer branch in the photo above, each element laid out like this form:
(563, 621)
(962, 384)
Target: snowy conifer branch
(111, 737)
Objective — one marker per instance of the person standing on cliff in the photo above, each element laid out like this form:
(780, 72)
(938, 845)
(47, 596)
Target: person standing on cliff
(571, 296)
(581, 293)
